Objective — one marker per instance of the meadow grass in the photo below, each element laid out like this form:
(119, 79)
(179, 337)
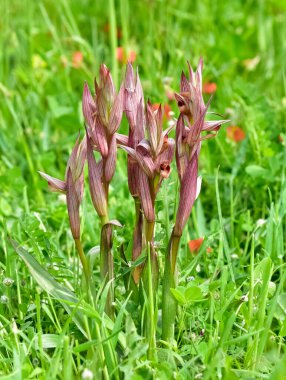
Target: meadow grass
(231, 322)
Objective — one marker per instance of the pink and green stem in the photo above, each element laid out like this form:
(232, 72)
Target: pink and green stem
(150, 283)
(106, 262)
(137, 239)
(169, 304)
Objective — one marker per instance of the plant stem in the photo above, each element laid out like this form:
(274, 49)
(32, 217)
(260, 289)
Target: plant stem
(150, 283)
(169, 304)
(137, 239)
(151, 331)
(106, 262)
(83, 261)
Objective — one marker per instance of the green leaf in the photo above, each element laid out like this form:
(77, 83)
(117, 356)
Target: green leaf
(118, 322)
(49, 340)
(193, 293)
(282, 331)
(51, 286)
(262, 267)
(256, 171)
(179, 294)
(76, 308)
(280, 312)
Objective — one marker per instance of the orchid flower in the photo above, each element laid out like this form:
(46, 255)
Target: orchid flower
(73, 186)
(153, 156)
(189, 134)
(190, 129)
(134, 111)
(103, 114)
(96, 186)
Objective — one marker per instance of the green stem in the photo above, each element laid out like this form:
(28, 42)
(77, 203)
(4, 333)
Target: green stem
(83, 261)
(106, 262)
(150, 283)
(151, 330)
(169, 304)
(149, 231)
(101, 354)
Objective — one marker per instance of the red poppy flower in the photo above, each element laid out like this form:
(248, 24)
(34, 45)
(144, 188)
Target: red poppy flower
(194, 245)
(120, 54)
(209, 87)
(235, 133)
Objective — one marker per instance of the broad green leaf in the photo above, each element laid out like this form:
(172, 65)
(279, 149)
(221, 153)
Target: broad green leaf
(179, 294)
(256, 171)
(280, 312)
(193, 293)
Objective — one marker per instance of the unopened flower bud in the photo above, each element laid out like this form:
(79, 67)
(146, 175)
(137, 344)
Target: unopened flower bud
(87, 374)
(7, 281)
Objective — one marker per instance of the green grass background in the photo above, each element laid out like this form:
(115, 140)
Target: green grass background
(238, 330)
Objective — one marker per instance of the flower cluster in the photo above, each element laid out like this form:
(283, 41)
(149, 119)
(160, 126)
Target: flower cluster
(150, 151)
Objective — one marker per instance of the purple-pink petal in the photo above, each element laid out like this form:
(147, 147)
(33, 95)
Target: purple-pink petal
(116, 112)
(145, 197)
(151, 126)
(106, 83)
(121, 139)
(54, 183)
(97, 192)
(73, 204)
(110, 161)
(99, 137)
(88, 106)
(184, 85)
(213, 125)
(188, 194)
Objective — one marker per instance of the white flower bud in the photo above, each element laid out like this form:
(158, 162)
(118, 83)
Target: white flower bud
(7, 281)
(87, 374)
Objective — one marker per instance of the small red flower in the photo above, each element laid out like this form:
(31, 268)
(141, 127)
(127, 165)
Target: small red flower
(209, 88)
(122, 57)
(120, 54)
(235, 133)
(194, 245)
(77, 59)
